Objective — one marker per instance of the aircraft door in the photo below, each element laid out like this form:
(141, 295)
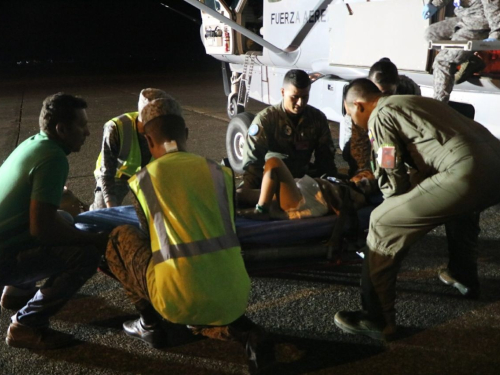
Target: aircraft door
(217, 37)
(363, 32)
(248, 14)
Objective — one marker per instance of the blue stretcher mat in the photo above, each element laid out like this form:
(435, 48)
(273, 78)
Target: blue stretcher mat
(250, 232)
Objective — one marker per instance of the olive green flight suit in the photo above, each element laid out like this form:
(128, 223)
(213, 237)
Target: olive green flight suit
(453, 156)
(357, 149)
(295, 140)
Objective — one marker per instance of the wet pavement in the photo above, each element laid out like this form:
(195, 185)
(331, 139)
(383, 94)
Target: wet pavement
(440, 332)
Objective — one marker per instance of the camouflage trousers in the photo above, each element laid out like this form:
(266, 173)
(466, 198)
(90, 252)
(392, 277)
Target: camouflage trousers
(128, 255)
(446, 62)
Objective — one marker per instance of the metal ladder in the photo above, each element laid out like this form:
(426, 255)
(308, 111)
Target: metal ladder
(246, 79)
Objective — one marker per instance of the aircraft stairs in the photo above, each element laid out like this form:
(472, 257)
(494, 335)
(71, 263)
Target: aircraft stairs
(246, 78)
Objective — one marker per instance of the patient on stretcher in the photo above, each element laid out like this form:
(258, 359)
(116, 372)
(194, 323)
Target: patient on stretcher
(282, 197)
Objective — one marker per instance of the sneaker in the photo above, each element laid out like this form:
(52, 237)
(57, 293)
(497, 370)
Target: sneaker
(469, 68)
(22, 336)
(16, 298)
(359, 323)
(153, 336)
(467, 291)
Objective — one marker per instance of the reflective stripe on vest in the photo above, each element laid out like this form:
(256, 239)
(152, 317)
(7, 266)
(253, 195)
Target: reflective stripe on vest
(168, 251)
(196, 274)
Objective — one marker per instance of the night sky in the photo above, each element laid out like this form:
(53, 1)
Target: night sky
(98, 32)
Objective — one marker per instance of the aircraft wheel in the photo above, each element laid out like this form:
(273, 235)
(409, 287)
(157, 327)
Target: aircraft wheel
(235, 139)
(233, 108)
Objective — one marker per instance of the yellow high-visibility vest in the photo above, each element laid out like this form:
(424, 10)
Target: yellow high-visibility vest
(199, 276)
(129, 158)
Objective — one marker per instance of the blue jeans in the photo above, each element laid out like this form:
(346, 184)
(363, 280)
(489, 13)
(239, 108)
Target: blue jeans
(66, 268)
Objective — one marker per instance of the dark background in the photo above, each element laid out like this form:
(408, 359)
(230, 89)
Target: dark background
(100, 34)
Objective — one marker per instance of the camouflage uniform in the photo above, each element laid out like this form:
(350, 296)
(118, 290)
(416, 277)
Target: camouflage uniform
(274, 133)
(109, 188)
(475, 20)
(357, 150)
(449, 151)
(407, 86)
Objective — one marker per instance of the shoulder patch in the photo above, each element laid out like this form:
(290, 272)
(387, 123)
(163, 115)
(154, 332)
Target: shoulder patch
(386, 156)
(253, 130)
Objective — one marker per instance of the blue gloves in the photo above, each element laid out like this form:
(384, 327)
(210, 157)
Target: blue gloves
(490, 40)
(428, 11)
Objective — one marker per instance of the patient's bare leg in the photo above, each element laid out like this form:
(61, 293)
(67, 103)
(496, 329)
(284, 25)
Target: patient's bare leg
(277, 180)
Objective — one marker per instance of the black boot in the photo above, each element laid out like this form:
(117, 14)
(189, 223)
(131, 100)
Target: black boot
(148, 327)
(154, 335)
(469, 68)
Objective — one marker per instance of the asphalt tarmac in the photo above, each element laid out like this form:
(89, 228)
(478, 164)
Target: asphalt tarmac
(295, 301)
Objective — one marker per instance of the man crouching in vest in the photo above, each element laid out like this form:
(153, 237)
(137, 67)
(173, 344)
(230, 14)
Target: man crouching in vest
(186, 266)
(124, 151)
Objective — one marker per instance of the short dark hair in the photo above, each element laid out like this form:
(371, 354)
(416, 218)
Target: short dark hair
(384, 73)
(298, 78)
(59, 108)
(360, 88)
(167, 127)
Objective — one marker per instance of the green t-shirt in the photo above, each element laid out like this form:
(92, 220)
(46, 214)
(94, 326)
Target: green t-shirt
(36, 170)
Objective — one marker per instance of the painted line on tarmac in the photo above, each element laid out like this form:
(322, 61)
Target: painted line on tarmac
(199, 112)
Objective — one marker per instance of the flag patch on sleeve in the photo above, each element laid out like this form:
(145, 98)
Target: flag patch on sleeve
(371, 137)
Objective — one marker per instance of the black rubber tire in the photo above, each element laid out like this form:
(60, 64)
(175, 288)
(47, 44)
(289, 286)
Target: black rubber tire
(233, 109)
(235, 139)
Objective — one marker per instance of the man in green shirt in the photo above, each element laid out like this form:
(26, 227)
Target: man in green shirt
(35, 242)
(449, 151)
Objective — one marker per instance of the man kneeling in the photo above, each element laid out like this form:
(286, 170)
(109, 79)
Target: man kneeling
(186, 266)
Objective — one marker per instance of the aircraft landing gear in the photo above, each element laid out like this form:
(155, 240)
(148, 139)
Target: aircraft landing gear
(235, 139)
(233, 108)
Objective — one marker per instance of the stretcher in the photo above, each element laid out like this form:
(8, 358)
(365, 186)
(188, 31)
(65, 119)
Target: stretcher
(260, 240)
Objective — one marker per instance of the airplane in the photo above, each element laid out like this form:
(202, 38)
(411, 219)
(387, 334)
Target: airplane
(335, 41)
